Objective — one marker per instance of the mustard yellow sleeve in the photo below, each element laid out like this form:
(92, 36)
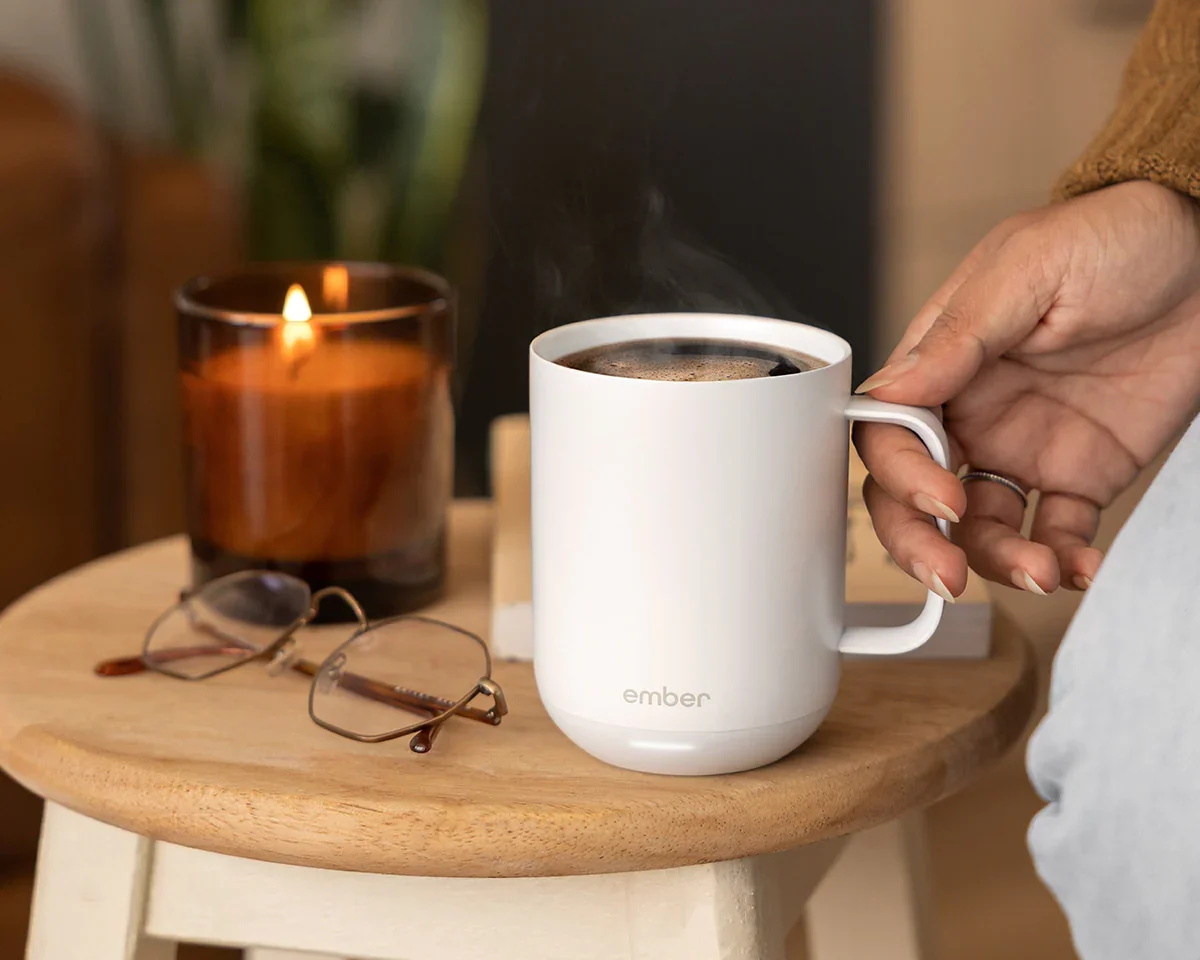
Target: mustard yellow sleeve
(1154, 131)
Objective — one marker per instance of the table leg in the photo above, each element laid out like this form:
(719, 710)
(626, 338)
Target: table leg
(875, 901)
(90, 892)
(741, 909)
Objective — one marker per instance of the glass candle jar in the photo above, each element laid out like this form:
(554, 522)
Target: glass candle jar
(319, 428)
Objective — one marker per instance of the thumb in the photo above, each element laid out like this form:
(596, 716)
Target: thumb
(994, 310)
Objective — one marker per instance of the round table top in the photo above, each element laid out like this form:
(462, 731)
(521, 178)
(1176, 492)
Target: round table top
(235, 765)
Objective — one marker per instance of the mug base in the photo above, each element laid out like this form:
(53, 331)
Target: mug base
(687, 753)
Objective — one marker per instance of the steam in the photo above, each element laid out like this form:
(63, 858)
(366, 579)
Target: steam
(593, 266)
(680, 274)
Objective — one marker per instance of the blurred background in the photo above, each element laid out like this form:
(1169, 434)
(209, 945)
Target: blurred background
(826, 161)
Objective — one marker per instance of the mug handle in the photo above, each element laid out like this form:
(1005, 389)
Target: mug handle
(908, 636)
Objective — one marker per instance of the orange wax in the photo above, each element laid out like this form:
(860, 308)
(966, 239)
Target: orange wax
(345, 454)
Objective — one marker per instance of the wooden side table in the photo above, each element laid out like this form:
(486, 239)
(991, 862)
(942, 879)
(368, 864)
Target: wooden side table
(218, 812)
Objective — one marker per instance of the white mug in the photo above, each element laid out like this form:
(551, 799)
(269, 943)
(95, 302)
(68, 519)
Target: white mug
(689, 547)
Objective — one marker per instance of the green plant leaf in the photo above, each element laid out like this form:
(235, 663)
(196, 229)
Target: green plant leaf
(93, 31)
(376, 119)
(440, 124)
(235, 20)
(184, 101)
(300, 74)
(291, 208)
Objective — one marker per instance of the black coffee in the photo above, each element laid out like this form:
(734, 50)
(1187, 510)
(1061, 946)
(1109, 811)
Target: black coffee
(690, 359)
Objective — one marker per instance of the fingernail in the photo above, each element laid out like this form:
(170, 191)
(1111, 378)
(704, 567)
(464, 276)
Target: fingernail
(934, 507)
(929, 577)
(1082, 582)
(889, 374)
(1023, 581)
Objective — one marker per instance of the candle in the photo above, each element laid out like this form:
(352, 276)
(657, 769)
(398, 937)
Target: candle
(320, 442)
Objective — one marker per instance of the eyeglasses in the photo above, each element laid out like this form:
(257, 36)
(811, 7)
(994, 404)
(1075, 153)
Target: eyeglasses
(422, 666)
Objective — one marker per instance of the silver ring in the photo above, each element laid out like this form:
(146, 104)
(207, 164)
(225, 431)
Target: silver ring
(1000, 479)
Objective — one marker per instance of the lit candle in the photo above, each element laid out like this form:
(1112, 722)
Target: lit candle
(321, 442)
(297, 330)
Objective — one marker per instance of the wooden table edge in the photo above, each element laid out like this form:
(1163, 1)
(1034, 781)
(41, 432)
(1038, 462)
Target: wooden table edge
(979, 743)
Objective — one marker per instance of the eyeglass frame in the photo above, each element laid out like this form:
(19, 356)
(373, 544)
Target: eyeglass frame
(281, 654)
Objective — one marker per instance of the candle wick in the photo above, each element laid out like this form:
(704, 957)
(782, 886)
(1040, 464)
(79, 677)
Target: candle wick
(295, 365)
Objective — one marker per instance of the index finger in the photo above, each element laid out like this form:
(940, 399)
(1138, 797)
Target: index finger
(936, 304)
(993, 310)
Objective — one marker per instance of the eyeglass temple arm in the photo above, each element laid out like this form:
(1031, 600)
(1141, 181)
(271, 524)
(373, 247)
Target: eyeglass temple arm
(420, 703)
(423, 741)
(125, 666)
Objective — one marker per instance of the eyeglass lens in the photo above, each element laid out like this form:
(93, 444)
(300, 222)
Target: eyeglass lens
(228, 620)
(432, 662)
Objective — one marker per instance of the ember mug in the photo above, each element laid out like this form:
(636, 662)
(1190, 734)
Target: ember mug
(689, 545)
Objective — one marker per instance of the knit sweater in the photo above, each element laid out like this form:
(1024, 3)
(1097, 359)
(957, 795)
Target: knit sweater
(1154, 131)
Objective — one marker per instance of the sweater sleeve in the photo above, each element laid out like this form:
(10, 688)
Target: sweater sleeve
(1154, 131)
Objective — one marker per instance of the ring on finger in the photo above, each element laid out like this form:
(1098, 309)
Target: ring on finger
(999, 478)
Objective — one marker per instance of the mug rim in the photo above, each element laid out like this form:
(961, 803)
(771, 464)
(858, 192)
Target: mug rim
(837, 350)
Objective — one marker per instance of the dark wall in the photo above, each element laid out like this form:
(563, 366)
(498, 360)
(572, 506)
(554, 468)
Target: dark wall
(671, 154)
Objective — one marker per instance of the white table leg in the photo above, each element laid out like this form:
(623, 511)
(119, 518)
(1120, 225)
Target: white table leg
(90, 893)
(742, 909)
(104, 894)
(875, 901)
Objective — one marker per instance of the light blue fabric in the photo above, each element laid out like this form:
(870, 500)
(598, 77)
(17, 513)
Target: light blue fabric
(1118, 756)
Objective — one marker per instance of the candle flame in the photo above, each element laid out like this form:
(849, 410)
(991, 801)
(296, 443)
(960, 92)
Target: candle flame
(295, 305)
(335, 286)
(297, 331)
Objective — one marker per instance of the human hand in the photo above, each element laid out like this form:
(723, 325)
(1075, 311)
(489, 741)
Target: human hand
(1064, 352)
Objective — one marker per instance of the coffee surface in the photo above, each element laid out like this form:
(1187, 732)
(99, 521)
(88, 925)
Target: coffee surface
(690, 359)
